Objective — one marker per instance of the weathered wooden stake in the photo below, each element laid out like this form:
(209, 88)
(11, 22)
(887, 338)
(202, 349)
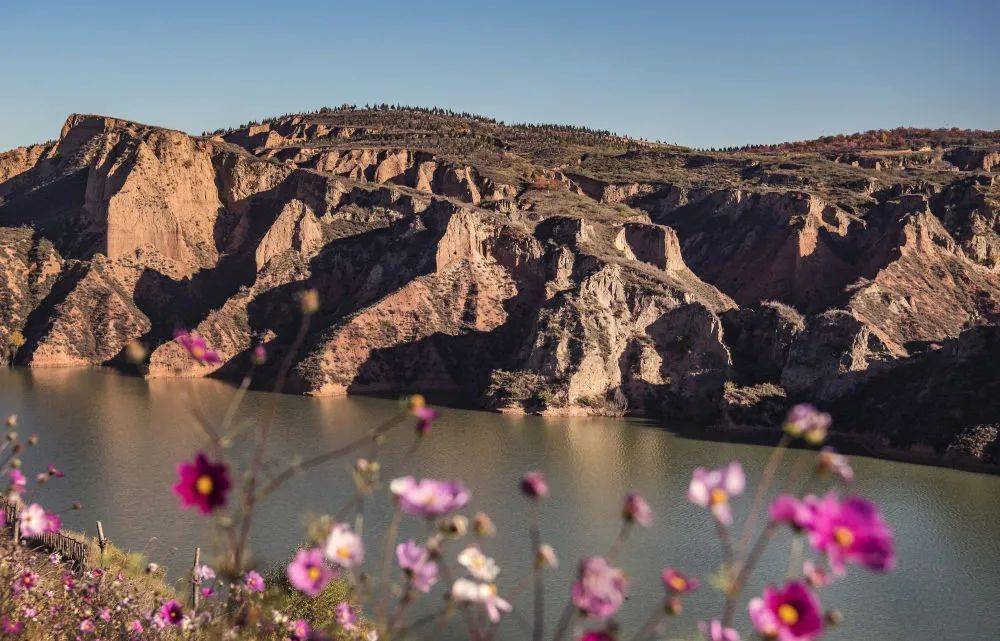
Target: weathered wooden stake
(17, 532)
(194, 582)
(102, 542)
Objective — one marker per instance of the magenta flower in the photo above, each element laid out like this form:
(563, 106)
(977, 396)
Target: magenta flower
(308, 572)
(805, 421)
(172, 612)
(599, 589)
(425, 419)
(25, 581)
(714, 631)
(677, 583)
(787, 509)
(534, 485)
(253, 581)
(197, 347)
(259, 355)
(596, 635)
(346, 617)
(851, 531)
(135, 626)
(299, 630)
(10, 626)
(344, 547)
(830, 462)
(17, 481)
(714, 488)
(54, 471)
(429, 498)
(35, 521)
(415, 561)
(792, 613)
(637, 510)
(202, 484)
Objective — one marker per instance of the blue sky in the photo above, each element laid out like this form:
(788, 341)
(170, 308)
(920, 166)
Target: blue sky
(699, 73)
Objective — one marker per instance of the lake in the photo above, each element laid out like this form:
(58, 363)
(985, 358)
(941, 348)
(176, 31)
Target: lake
(118, 439)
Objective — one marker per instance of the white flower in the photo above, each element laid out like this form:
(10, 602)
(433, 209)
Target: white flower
(344, 547)
(484, 593)
(478, 564)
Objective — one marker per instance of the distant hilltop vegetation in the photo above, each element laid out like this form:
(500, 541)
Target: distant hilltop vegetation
(527, 268)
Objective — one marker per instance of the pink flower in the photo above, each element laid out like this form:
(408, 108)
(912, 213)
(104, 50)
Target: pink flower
(830, 462)
(534, 485)
(637, 510)
(253, 581)
(55, 472)
(816, 575)
(135, 626)
(429, 498)
(714, 631)
(202, 484)
(344, 547)
(806, 421)
(17, 481)
(196, 347)
(299, 630)
(172, 612)
(415, 560)
(714, 488)
(308, 572)
(259, 355)
(599, 589)
(25, 581)
(346, 617)
(677, 583)
(425, 419)
(851, 531)
(35, 521)
(10, 626)
(792, 613)
(787, 509)
(596, 635)
(87, 625)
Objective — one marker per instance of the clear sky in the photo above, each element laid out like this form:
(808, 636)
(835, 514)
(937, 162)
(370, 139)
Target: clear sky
(699, 73)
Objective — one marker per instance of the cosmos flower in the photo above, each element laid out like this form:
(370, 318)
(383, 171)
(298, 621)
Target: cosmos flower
(253, 581)
(344, 547)
(425, 419)
(714, 631)
(415, 561)
(429, 498)
(202, 573)
(599, 589)
(17, 481)
(479, 565)
(10, 626)
(308, 572)
(637, 510)
(55, 472)
(677, 583)
(299, 630)
(483, 525)
(807, 422)
(87, 625)
(172, 612)
(35, 521)
(197, 347)
(25, 581)
(202, 484)
(259, 355)
(484, 593)
(346, 617)
(714, 488)
(789, 510)
(829, 462)
(850, 531)
(792, 613)
(534, 485)
(596, 635)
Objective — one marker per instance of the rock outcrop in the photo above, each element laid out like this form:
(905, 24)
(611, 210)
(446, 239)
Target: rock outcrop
(526, 269)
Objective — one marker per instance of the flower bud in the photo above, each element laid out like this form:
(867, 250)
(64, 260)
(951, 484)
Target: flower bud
(12, 436)
(534, 485)
(33, 439)
(483, 525)
(12, 420)
(259, 355)
(834, 617)
(455, 526)
(135, 352)
(309, 301)
(546, 557)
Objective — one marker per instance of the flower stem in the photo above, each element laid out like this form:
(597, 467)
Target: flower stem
(390, 542)
(734, 591)
(538, 626)
(649, 627)
(758, 498)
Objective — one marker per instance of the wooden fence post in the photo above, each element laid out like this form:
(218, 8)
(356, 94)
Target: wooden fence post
(102, 542)
(194, 582)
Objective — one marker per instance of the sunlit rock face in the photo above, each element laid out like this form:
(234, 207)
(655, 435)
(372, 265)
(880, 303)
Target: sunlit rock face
(524, 269)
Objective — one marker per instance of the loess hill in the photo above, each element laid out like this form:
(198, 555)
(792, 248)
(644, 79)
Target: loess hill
(543, 269)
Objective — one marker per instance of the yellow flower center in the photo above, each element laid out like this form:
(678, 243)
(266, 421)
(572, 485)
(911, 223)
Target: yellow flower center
(313, 573)
(493, 589)
(678, 583)
(718, 496)
(204, 485)
(844, 537)
(788, 614)
(344, 552)
(197, 351)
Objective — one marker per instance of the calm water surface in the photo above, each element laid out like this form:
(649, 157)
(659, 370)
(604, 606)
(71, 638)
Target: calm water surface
(118, 439)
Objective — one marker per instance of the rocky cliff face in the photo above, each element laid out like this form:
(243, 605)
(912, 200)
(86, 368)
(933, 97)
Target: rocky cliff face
(525, 269)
